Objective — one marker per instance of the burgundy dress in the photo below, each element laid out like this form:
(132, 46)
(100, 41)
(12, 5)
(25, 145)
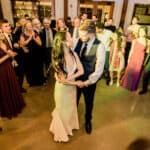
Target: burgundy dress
(133, 70)
(11, 100)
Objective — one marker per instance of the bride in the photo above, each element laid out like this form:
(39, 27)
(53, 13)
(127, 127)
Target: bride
(67, 68)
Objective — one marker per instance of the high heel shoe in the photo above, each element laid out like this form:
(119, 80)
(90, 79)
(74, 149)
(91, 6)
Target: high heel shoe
(118, 84)
(111, 83)
(1, 129)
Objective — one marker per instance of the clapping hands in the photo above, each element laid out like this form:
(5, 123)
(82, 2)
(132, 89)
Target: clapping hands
(11, 53)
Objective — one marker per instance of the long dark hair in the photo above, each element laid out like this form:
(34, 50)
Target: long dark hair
(119, 40)
(58, 52)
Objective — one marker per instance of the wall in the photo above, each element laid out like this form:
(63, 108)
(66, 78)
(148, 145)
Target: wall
(72, 8)
(59, 9)
(7, 10)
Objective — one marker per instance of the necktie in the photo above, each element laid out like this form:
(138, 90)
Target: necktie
(84, 50)
(9, 39)
(48, 38)
(77, 33)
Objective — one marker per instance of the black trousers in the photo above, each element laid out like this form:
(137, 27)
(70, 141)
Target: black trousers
(106, 67)
(88, 93)
(146, 79)
(47, 57)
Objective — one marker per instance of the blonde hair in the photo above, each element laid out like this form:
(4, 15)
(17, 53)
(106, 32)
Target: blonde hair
(57, 24)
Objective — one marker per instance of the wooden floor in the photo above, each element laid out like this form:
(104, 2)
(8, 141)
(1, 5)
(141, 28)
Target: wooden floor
(119, 117)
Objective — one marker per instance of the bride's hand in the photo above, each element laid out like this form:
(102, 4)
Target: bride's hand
(61, 76)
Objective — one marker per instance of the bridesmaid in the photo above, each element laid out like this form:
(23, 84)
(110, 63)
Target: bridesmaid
(11, 100)
(116, 59)
(134, 68)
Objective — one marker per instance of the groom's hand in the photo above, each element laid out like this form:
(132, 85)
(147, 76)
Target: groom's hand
(80, 84)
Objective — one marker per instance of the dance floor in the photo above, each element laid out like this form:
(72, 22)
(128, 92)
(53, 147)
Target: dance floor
(119, 117)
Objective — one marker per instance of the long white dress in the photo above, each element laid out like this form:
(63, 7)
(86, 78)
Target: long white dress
(64, 115)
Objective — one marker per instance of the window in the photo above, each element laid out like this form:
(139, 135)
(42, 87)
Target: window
(86, 8)
(34, 8)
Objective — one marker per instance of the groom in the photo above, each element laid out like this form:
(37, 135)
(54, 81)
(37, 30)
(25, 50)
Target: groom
(92, 55)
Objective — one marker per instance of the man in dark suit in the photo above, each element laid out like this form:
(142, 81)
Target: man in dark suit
(47, 40)
(20, 57)
(74, 30)
(92, 55)
(109, 25)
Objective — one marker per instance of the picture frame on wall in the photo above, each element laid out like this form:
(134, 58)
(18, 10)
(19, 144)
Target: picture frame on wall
(142, 11)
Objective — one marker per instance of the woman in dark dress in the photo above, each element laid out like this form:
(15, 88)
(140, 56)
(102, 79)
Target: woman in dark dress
(31, 45)
(11, 100)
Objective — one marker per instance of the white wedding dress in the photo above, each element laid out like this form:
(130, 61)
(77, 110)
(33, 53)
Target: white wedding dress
(64, 115)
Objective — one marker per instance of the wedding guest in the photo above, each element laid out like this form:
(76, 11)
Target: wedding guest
(11, 100)
(31, 46)
(134, 68)
(104, 35)
(116, 59)
(131, 34)
(47, 40)
(146, 76)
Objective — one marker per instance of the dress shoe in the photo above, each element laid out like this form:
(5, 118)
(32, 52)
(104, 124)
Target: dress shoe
(1, 129)
(142, 92)
(118, 84)
(88, 127)
(107, 82)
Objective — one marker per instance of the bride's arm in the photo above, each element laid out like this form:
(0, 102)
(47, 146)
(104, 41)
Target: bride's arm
(62, 79)
(69, 80)
(80, 70)
(4, 58)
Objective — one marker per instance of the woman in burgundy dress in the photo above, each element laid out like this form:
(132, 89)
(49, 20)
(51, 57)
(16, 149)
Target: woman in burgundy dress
(11, 100)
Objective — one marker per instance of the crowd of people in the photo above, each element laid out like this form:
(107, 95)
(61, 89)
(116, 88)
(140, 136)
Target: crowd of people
(81, 51)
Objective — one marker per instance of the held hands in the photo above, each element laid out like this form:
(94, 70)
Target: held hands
(80, 84)
(61, 78)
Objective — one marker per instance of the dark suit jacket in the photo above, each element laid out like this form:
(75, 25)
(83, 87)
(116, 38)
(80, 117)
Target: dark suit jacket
(71, 30)
(78, 47)
(43, 36)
